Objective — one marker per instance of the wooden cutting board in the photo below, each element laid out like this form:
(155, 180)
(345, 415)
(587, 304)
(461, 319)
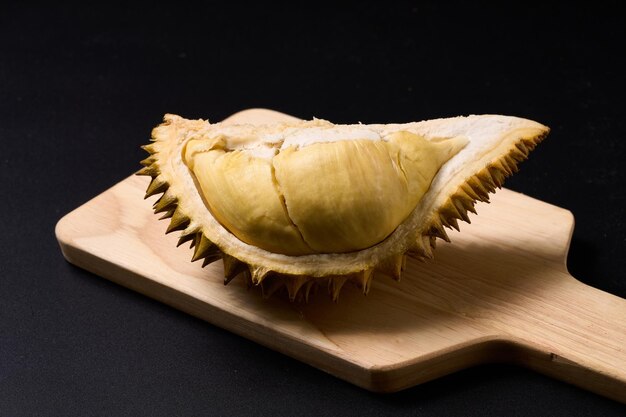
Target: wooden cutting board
(499, 292)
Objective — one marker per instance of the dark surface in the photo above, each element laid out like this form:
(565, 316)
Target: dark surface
(81, 87)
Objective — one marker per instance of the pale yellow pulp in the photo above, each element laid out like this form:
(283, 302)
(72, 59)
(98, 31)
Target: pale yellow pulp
(322, 197)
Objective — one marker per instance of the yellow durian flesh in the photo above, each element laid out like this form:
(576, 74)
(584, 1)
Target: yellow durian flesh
(350, 195)
(492, 146)
(333, 196)
(240, 191)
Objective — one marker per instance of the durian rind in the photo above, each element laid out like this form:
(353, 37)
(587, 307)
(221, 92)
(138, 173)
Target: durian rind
(497, 144)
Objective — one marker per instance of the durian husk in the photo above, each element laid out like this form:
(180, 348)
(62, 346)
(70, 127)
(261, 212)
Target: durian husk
(497, 144)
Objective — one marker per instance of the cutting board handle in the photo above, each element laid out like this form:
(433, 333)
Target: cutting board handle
(582, 340)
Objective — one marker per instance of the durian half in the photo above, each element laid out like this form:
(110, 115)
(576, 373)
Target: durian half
(305, 203)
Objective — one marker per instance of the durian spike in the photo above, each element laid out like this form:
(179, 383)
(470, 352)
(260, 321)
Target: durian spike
(195, 240)
(486, 180)
(151, 170)
(157, 186)
(294, 284)
(232, 267)
(437, 230)
(451, 222)
(184, 239)
(209, 259)
(147, 162)
(169, 213)
(392, 266)
(501, 165)
(464, 202)
(270, 285)
(523, 148)
(511, 163)
(479, 189)
(203, 248)
(428, 245)
(518, 155)
(335, 283)
(449, 210)
(363, 279)
(460, 208)
(469, 206)
(245, 276)
(497, 174)
(179, 221)
(189, 234)
(307, 289)
(165, 203)
(469, 191)
(150, 148)
(258, 273)
(419, 249)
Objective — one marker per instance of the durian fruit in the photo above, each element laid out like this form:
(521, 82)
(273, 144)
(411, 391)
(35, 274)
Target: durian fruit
(302, 204)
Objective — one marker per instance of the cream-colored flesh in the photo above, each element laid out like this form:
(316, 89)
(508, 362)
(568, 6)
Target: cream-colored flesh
(240, 191)
(317, 196)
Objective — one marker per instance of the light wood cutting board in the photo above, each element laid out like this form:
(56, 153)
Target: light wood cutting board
(499, 292)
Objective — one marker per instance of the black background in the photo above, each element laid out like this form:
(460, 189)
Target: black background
(81, 86)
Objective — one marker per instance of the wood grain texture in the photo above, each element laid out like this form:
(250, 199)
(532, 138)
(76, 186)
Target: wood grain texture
(499, 292)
